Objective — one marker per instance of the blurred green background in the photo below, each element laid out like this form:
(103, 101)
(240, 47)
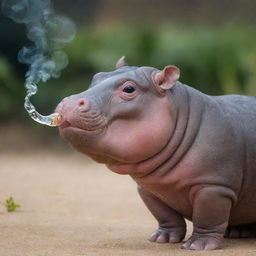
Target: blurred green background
(212, 42)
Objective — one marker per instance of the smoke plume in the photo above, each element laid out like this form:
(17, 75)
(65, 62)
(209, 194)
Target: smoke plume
(48, 32)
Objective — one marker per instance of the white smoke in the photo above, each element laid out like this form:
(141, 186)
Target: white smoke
(48, 32)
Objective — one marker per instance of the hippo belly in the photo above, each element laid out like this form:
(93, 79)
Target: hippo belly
(244, 109)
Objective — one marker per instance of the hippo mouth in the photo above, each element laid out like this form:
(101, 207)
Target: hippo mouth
(81, 123)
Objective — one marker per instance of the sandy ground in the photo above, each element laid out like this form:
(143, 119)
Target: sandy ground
(72, 206)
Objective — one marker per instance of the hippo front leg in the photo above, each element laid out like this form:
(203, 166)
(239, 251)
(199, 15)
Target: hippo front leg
(211, 210)
(172, 226)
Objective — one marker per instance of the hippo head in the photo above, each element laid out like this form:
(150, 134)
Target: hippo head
(125, 116)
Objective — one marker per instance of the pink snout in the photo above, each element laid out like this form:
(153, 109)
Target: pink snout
(72, 104)
(69, 108)
(78, 112)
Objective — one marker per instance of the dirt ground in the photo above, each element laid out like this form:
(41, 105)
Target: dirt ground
(71, 206)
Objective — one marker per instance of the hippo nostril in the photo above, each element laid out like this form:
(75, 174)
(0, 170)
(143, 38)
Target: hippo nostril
(83, 104)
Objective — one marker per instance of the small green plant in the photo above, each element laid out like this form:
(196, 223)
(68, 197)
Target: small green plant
(10, 205)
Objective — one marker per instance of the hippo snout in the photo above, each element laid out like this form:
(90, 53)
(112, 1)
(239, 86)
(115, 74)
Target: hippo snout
(73, 104)
(77, 112)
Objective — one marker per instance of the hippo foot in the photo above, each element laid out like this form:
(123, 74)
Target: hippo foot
(242, 231)
(202, 243)
(165, 235)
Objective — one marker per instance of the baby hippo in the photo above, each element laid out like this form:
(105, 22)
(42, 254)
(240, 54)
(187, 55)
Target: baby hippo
(193, 156)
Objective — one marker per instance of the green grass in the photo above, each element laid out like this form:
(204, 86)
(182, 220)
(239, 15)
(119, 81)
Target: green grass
(10, 205)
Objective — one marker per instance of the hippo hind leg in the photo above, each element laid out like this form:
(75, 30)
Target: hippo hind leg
(241, 231)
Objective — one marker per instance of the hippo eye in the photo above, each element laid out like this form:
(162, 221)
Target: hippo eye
(129, 89)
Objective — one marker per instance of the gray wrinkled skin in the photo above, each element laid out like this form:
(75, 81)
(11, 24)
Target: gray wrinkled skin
(192, 155)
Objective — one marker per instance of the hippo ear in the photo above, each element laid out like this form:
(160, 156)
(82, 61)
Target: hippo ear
(167, 78)
(121, 63)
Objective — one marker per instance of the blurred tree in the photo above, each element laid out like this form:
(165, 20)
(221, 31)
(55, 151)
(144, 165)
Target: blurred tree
(79, 10)
(213, 43)
(12, 39)
(184, 12)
